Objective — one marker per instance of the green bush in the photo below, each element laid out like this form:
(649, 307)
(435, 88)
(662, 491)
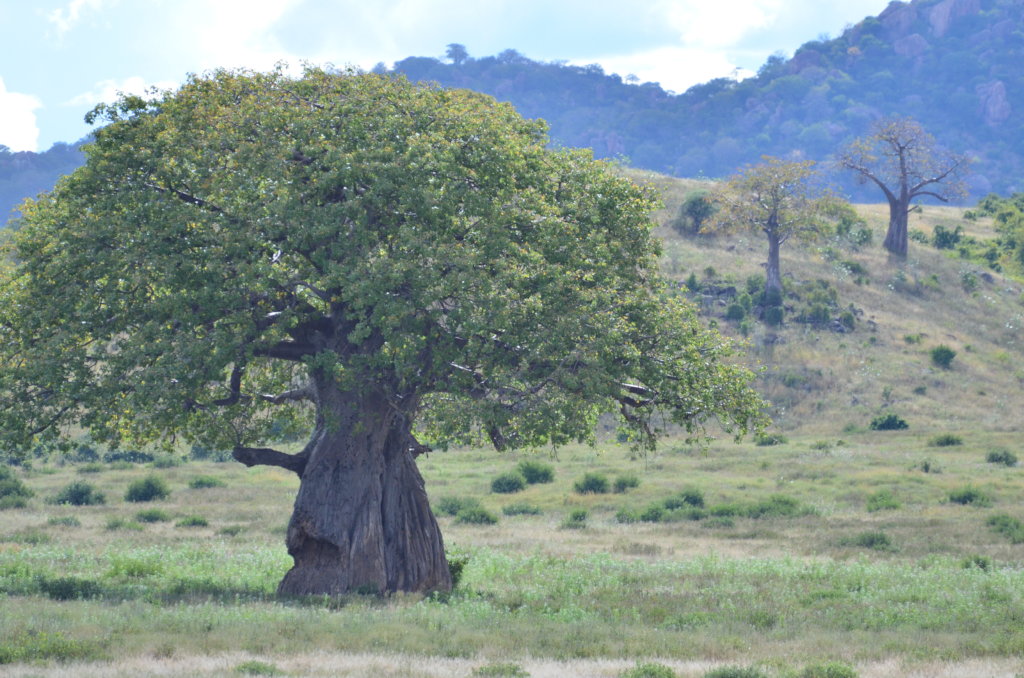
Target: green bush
(508, 483)
(945, 440)
(942, 356)
(883, 500)
(92, 467)
(205, 482)
(977, 562)
(1001, 456)
(888, 422)
(688, 497)
(153, 515)
(576, 519)
(652, 514)
(592, 483)
(476, 515)
(828, 670)
(536, 471)
(649, 670)
(79, 493)
(193, 521)
(773, 316)
(13, 492)
(626, 482)
(69, 588)
(521, 509)
(451, 506)
(1008, 526)
(501, 670)
(770, 439)
(231, 530)
(149, 488)
(118, 523)
(626, 516)
(874, 539)
(64, 521)
(735, 312)
(254, 667)
(735, 672)
(775, 506)
(970, 495)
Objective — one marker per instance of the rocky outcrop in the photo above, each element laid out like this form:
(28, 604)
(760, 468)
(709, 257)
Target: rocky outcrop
(994, 104)
(942, 15)
(912, 46)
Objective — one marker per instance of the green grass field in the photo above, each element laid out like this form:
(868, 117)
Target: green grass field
(888, 586)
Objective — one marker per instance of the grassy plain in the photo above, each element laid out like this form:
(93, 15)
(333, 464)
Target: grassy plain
(114, 595)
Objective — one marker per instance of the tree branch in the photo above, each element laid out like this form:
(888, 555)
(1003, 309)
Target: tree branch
(265, 456)
(302, 393)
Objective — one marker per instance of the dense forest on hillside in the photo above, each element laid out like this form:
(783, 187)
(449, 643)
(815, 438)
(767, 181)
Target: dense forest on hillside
(954, 65)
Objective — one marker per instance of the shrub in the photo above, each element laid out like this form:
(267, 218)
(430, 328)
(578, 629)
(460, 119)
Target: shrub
(205, 482)
(231, 530)
(64, 521)
(828, 670)
(649, 670)
(652, 514)
(688, 497)
(130, 456)
(576, 520)
(945, 440)
(1001, 456)
(79, 493)
(882, 501)
(508, 483)
(201, 453)
(942, 356)
(735, 672)
(13, 493)
(879, 541)
(116, 523)
(970, 495)
(773, 316)
(476, 515)
(626, 482)
(192, 521)
(501, 670)
(521, 509)
(91, 467)
(1008, 526)
(775, 506)
(451, 506)
(69, 588)
(770, 439)
(456, 566)
(735, 312)
(149, 488)
(592, 483)
(153, 515)
(258, 668)
(976, 561)
(536, 471)
(626, 516)
(888, 422)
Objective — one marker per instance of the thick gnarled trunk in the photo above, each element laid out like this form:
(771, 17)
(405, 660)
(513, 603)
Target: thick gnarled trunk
(896, 236)
(362, 521)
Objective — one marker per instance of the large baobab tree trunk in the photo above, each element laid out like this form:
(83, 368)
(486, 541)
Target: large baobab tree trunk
(362, 521)
(896, 236)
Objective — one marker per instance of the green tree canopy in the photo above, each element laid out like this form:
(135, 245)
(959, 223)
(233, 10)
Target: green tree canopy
(375, 261)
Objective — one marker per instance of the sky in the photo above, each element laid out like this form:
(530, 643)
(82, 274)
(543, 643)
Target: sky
(60, 58)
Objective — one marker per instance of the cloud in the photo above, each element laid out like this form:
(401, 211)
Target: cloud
(107, 91)
(721, 23)
(19, 130)
(236, 33)
(674, 68)
(66, 18)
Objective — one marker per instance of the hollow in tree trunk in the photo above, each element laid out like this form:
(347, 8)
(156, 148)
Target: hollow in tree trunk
(362, 521)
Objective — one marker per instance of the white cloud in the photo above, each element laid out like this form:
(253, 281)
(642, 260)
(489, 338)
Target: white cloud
(674, 68)
(107, 91)
(66, 18)
(718, 23)
(236, 33)
(18, 128)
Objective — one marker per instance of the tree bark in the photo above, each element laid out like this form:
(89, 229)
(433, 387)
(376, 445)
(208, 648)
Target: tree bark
(772, 269)
(896, 236)
(362, 521)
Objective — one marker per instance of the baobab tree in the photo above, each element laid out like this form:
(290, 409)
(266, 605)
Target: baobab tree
(779, 199)
(905, 162)
(390, 265)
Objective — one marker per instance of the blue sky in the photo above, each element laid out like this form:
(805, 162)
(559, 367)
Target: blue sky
(62, 57)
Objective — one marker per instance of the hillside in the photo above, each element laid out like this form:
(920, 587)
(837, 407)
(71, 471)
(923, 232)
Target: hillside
(821, 381)
(952, 64)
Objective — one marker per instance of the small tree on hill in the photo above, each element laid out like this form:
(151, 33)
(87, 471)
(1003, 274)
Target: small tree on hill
(377, 262)
(697, 208)
(779, 199)
(905, 162)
